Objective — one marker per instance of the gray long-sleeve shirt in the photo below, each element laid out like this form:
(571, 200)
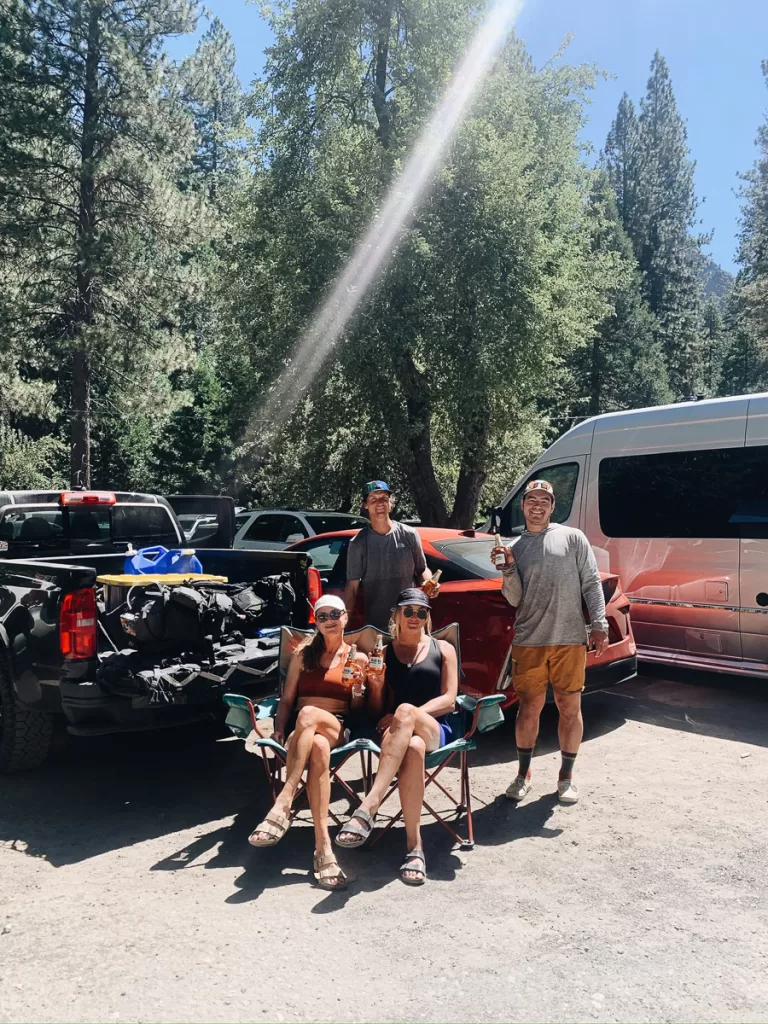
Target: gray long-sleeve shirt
(552, 571)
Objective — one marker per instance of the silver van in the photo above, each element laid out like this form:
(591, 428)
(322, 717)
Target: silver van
(674, 499)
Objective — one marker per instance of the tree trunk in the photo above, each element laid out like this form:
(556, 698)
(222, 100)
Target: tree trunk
(380, 103)
(472, 472)
(84, 306)
(594, 378)
(418, 454)
(468, 488)
(80, 473)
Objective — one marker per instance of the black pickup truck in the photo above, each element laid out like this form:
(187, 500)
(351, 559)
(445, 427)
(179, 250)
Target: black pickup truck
(70, 645)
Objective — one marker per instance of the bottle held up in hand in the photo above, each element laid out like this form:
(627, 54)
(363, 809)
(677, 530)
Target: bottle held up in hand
(351, 674)
(498, 559)
(431, 586)
(376, 660)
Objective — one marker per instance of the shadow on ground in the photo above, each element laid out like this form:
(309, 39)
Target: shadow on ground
(104, 794)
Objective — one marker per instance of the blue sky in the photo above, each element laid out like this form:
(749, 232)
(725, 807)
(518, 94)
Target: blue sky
(713, 49)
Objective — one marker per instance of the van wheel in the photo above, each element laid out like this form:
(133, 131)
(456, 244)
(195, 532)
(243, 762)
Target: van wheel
(25, 736)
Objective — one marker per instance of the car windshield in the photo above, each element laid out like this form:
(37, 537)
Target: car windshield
(333, 521)
(25, 531)
(473, 556)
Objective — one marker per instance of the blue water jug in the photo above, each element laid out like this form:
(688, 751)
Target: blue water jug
(161, 561)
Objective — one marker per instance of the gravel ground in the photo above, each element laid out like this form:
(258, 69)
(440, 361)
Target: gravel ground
(128, 891)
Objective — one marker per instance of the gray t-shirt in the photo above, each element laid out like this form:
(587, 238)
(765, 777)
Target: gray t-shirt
(386, 563)
(553, 571)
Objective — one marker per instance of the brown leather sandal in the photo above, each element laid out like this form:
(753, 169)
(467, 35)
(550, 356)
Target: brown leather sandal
(274, 825)
(328, 874)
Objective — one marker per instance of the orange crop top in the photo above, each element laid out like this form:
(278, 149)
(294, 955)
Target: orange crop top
(324, 688)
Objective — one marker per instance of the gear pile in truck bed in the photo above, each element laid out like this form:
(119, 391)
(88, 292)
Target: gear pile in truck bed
(128, 673)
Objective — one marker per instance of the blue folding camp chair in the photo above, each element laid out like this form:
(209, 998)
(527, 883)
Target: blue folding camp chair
(244, 714)
(472, 715)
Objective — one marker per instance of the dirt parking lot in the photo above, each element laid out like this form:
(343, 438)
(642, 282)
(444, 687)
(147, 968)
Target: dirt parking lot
(128, 891)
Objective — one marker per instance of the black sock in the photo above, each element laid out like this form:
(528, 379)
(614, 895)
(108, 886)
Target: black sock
(566, 768)
(524, 755)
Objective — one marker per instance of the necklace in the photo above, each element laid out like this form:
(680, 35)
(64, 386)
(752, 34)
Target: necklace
(415, 654)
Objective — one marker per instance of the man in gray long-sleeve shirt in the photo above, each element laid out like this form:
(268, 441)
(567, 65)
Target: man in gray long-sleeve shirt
(546, 573)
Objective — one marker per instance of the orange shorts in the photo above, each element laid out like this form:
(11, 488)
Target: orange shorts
(562, 665)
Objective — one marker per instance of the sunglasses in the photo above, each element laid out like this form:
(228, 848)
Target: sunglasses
(420, 613)
(334, 615)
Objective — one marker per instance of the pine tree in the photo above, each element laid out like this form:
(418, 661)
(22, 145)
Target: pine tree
(746, 365)
(211, 91)
(647, 159)
(621, 161)
(622, 367)
(91, 216)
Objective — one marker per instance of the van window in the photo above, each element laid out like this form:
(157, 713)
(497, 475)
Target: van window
(563, 479)
(722, 493)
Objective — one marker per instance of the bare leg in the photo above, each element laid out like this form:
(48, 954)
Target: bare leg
(527, 721)
(310, 722)
(410, 784)
(319, 790)
(406, 722)
(571, 726)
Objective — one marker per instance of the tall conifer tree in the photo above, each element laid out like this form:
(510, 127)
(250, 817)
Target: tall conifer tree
(92, 222)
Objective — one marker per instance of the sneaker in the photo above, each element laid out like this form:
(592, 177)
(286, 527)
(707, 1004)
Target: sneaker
(518, 789)
(567, 791)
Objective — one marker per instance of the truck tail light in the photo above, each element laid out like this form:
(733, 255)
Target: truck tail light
(87, 498)
(77, 624)
(314, 591)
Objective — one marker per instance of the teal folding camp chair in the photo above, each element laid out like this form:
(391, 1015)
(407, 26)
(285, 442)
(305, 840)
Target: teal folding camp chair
(472, 715)
(244, 714)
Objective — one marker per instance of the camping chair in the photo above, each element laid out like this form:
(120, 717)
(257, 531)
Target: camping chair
(472, 715)
(244, 714)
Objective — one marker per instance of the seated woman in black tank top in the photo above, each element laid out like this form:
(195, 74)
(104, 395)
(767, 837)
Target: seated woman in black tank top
(418, 689)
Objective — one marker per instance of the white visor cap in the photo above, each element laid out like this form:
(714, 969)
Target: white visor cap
(329, 601)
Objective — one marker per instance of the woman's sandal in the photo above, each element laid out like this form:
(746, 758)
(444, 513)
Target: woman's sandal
(274, 825)
(359, 825)
(328, 874)
(414, 869)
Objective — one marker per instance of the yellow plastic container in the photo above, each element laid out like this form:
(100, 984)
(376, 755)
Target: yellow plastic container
(171, 579)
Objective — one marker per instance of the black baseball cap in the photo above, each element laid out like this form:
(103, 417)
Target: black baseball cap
(412, 595)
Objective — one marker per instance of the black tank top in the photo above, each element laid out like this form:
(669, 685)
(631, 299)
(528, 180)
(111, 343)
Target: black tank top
(419, 683)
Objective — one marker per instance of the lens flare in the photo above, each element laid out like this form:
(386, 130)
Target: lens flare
(380, 241)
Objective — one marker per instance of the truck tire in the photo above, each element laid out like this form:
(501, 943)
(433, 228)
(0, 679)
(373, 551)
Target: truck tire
(25, 736)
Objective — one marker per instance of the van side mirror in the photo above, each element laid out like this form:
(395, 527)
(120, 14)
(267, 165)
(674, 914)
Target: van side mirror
(495, 515)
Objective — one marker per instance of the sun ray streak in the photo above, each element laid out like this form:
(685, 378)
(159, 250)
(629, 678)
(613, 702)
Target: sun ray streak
(380, 241)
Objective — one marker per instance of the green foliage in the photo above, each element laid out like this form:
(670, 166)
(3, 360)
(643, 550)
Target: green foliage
(167, 238)
(493, 284)
(648, 162)
(27, 464)
(93, 224)
(745, 357)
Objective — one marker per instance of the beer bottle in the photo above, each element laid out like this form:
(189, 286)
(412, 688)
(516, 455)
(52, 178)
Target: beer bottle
(348, 672)
(498, 559)
(430, 586)
(376, 662)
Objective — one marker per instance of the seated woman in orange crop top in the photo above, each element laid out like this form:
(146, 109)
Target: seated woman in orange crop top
(312, 711)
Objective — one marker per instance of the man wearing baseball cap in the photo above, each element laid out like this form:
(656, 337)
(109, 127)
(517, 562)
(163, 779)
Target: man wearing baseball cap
(385, 557)
(547, 573)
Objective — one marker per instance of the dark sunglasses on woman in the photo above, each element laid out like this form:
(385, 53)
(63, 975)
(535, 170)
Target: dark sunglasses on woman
(420, 613)
(333, 615)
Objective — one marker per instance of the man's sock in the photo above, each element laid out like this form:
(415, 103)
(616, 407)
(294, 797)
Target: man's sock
(566, 768)
(524, 755)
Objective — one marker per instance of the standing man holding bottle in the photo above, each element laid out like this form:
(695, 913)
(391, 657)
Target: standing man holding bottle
(547, 573)
(385, 557)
